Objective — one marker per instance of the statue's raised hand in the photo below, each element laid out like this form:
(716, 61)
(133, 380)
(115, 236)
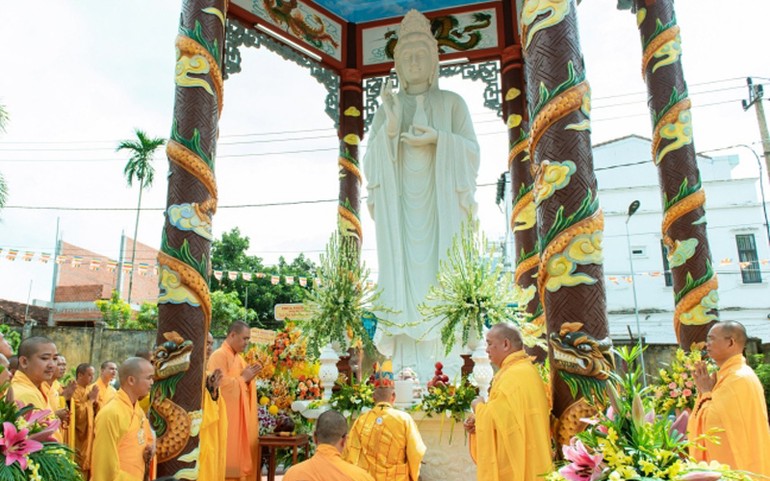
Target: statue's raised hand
(390, 104)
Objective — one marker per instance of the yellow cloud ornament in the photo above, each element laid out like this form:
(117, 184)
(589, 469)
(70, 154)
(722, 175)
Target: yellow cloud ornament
(512, 94)
(701, 314)
(352, 139)
(680, 132)
(561, 273)
(514, 120)
(552, 176)
(173, 291)
(526, 218)
(683, 250)
(351, 112)
(195, 65)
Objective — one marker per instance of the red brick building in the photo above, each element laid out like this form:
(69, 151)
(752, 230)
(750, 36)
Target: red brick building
(85, 276)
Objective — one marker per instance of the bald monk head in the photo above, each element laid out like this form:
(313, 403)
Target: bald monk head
(503, 339)
(238, 336)
(725, 340)
(37, 359)
(84, 374)
(331, 428)
(384, 395)
(136, 377)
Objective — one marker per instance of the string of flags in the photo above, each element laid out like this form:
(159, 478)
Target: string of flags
(145, 268)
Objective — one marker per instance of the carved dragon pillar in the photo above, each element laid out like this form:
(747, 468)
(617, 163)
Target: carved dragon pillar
(524, 217)
(570, 278)
(351, 131)
(184, 304)
(673, 152)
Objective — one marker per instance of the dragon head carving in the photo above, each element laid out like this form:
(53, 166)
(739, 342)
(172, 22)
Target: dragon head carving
(172, 357)
(579, 353)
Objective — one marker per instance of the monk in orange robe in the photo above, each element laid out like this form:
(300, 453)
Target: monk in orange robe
(327, 464)
(509, 434)
(238, 389)
(124, 442)
(37, 363)
(106, 391)
(83, 415)
(213, 433)
(731, 401)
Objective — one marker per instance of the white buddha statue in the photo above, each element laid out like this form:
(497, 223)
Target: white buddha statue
(420, 166)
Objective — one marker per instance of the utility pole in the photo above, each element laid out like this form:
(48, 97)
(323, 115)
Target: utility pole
(55, 278)
(755, 99)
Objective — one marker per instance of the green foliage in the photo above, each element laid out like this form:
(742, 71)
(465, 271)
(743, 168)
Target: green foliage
(11, 335)
(685, 190)
(545, 95)
(350, 399)
(225, 309)
(337, 307)
(146, 318)
(258, 296)
(471, 289)
(115, 312)
(691, 284)
(757, 362)
(139, 165)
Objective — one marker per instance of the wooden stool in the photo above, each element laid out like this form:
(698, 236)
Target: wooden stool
(271, 442)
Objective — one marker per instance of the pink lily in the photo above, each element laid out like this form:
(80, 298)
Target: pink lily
(680, 423)
(584, 466)
(16, 446)
(700, 476)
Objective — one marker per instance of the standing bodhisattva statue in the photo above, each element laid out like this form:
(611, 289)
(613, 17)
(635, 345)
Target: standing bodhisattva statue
(420, 166)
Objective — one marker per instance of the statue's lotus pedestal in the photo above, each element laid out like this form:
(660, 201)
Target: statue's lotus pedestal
(444, 460)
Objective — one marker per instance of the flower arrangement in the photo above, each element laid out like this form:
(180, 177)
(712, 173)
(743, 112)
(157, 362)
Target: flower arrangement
(471, 289)
(675, 388)
(628, 440)
(309, 388)
(351, 399)
(452, 400)
(337, 307)
(27, 450)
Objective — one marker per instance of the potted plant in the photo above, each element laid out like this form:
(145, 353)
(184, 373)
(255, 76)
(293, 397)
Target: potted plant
(337, 306)
(471, 290)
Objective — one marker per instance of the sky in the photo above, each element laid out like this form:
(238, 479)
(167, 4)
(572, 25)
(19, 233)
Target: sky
(78, 77)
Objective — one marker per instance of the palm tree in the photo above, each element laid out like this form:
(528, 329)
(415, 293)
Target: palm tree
(3, 185)
(139, 167)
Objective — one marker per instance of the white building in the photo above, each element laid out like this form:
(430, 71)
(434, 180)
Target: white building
(737, 233)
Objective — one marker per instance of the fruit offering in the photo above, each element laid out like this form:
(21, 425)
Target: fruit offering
(439, 379)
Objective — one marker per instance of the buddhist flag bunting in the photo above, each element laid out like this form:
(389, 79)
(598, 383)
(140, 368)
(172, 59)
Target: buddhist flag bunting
(95, 264)
(12, 253)
(77, 261)
(275, 280)
(112, 265)
(246, 276)
(218, 275)
(260, 275)
(127, 267)
(44, 257)
(725, 262)
(232, 275)
(289, 280)
(142, 268)
(317, 282)
(28, 255)
(303, 281)
(61, 259)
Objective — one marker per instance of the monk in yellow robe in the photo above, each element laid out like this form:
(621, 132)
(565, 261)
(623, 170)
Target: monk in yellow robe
(213, 432)
(124, 443)
(327, 464)
(238, 389)
(509, 434)
(83, 415)
(37, 363)
(106, 391)
(385, 441)
(59, 396)
(731, 401)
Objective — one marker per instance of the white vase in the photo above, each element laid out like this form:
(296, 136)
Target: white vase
(328, 372)
(482, 368)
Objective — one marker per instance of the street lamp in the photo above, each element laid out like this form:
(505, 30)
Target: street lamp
(632, 208)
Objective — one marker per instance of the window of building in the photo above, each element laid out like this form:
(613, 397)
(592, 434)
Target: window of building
(667, 276)
(748, 258)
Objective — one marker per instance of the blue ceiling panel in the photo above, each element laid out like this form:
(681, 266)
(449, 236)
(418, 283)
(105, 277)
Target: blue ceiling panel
(360, 11)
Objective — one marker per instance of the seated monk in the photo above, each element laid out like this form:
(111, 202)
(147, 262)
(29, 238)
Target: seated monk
(331, 431)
